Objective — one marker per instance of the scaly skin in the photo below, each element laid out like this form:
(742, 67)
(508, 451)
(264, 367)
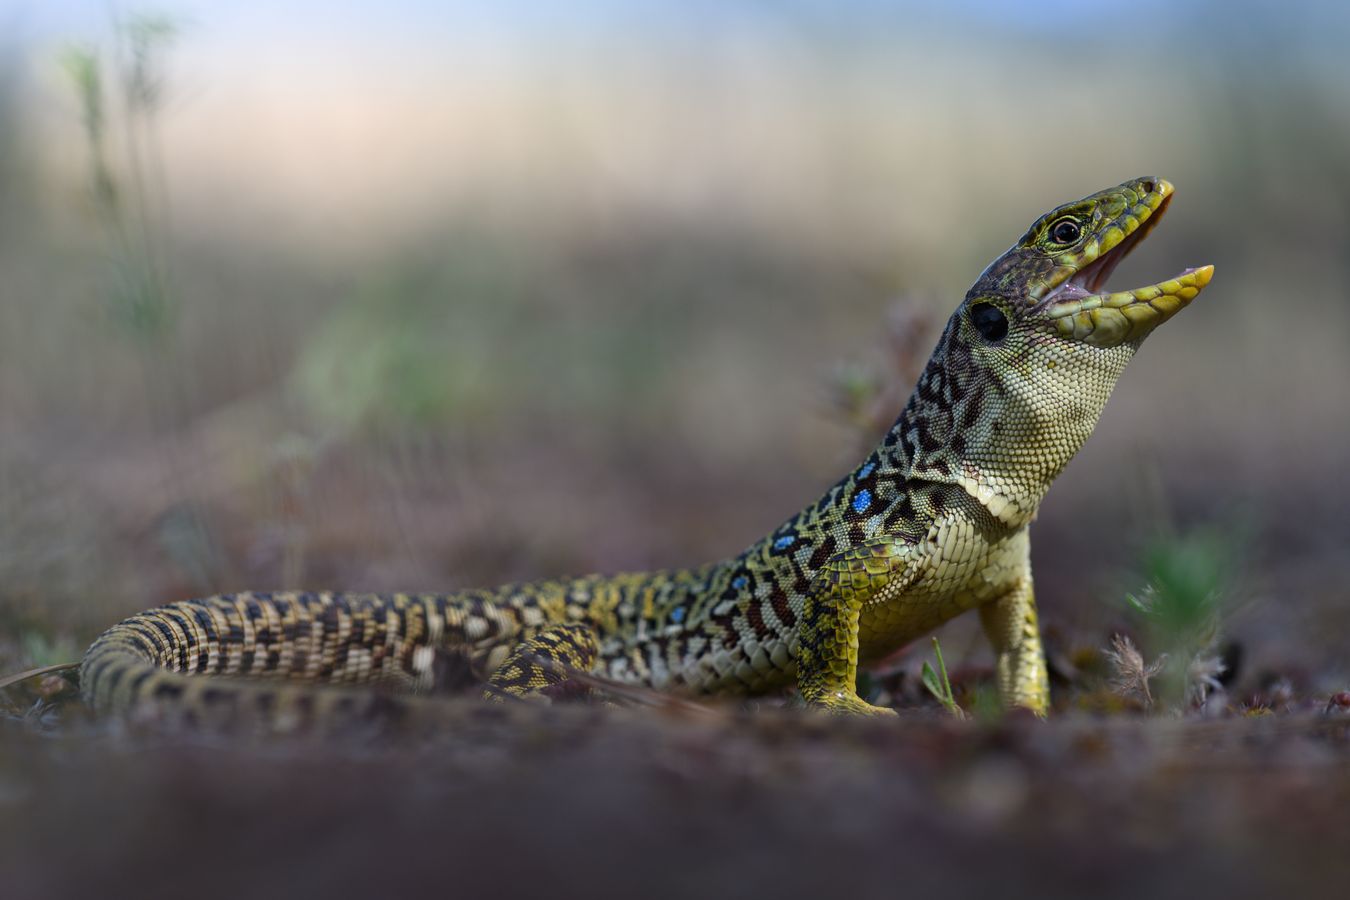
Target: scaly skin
(931, 524)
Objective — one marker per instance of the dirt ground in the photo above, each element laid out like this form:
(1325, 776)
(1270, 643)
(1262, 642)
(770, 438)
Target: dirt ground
(582, 801)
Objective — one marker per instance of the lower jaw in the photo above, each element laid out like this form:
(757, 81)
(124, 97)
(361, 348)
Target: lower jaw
(1109, 319)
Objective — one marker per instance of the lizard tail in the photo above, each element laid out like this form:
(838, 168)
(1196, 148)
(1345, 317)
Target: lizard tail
(290, 662)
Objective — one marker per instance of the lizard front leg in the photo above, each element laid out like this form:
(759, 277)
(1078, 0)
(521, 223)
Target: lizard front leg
(827, 660)
(1010, 624)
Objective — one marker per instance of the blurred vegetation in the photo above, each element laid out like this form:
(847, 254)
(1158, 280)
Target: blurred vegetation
(126, 187)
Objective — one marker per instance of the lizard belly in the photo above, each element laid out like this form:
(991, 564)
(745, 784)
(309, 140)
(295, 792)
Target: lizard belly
(961, 571)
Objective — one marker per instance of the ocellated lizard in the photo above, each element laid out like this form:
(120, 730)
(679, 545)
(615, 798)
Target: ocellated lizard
(931, 524)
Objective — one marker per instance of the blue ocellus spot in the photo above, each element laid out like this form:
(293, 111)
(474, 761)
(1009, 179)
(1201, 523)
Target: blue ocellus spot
(677, 614)
(862, 501)
(739, 582)
(784, 542)
(867, 470)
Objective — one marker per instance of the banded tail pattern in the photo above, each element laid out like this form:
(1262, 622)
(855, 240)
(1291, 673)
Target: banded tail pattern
(275, 649)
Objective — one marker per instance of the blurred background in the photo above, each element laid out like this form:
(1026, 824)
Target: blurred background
(420, 295)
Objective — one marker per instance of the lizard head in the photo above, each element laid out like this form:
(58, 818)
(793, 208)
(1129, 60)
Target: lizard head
(1052, 280)
(1030, 357)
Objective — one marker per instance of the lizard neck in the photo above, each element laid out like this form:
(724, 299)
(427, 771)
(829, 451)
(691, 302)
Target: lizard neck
(968, 429)
(1001, 435)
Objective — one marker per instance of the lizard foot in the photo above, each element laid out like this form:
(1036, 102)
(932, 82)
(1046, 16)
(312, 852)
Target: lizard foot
(537, 669)
(845, 703)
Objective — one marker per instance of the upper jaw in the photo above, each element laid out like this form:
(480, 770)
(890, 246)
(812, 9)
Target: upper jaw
(1080, 309)
(1092, 277)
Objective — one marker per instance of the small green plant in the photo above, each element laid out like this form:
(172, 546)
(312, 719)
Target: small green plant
(1179, 613)
(939, 685)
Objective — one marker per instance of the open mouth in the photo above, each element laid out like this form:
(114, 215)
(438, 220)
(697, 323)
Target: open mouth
(1081, 308)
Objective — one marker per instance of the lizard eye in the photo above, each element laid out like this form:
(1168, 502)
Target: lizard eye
(1065, 231)
(989, 321)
